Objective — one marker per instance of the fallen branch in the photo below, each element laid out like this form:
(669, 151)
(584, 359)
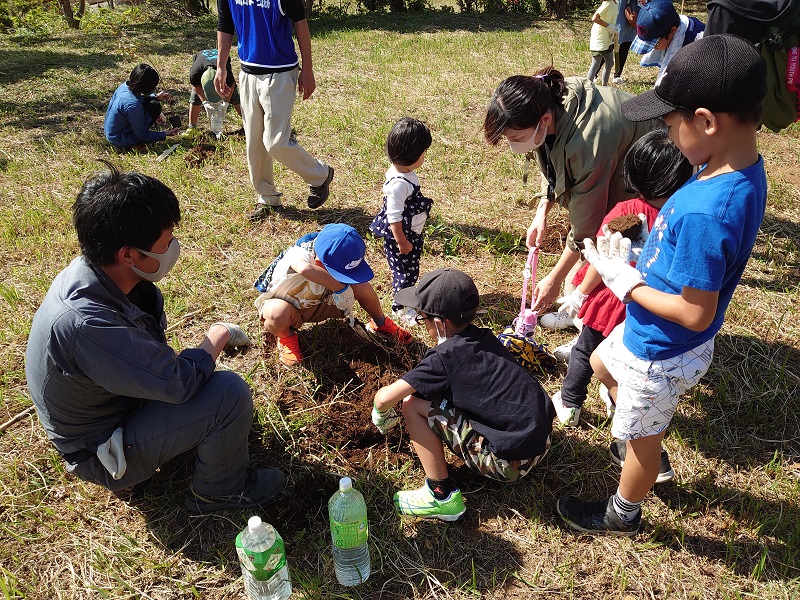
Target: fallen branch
(18, 417)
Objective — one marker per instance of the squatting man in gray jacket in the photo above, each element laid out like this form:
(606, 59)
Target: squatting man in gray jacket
(116, 401)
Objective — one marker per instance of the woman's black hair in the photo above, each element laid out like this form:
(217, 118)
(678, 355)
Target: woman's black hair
(520, 101)
(407, 140)
(143, 79)
(654, 166)
(114, 210)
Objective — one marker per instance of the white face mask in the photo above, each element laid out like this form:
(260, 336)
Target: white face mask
(166, 261)
(530, 145)
(441, 334)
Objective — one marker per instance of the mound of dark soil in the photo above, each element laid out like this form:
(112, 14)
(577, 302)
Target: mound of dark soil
(199, 154)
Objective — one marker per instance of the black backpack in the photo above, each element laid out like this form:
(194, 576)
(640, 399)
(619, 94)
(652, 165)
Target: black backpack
(774, 27)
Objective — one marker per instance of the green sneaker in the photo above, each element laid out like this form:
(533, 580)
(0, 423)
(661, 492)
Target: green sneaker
(422, 503)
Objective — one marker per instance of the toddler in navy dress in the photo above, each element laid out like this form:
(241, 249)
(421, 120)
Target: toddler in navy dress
(405, 210)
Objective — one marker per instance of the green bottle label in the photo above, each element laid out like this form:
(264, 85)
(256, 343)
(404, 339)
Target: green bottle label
(263, 565)
(349, 535)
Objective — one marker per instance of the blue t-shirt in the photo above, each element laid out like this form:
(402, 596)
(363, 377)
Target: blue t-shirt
(702, 239)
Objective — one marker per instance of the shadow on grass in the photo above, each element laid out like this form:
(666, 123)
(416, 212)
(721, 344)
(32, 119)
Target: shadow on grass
(435, 21)
(781, 243)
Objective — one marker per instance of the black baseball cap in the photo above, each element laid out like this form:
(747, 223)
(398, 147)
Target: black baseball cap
(446, 293)
(722, 73)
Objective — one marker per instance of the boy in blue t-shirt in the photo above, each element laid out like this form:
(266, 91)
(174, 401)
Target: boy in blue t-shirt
(689, 266)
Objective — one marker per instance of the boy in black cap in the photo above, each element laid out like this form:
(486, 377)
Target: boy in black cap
(469, 393)
(710, 99)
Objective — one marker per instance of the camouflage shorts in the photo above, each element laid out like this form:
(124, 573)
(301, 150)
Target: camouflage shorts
(456, 431)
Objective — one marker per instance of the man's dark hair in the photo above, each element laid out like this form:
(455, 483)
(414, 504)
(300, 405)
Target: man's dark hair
(114, 210)
(407, 140)
(143, 79)
(463, 320)
(654, 166)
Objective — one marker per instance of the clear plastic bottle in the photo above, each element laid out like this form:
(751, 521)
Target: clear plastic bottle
(263, 560)
(347, 512)
(216, 114)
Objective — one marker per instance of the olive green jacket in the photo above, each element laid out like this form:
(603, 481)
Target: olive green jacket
(592, 138)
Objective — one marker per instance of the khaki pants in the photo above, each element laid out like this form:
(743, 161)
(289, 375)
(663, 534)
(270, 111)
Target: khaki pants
(267, 103)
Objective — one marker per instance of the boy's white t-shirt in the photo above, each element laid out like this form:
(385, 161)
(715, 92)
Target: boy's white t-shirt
(286, 284)
(397, 189)
(600, 39)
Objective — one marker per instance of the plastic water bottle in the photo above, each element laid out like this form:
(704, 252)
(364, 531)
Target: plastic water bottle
(263, 560)
(350, 531)
(216, 114)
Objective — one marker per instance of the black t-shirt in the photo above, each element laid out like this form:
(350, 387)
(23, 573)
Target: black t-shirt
(208, 58)
(505, 404)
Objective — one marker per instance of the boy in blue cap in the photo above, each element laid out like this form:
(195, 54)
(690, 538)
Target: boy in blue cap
(317, 279)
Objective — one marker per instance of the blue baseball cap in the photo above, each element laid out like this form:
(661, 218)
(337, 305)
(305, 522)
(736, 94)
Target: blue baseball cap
(654, 21)
(341, 250)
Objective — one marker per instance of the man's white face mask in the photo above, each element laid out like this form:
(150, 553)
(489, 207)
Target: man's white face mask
(166, 260)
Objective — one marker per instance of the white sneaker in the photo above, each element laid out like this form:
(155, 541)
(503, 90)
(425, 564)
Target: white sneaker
(568, 416)
(405, 316)
(562, 352)
(605, 396)
(556, 321)
(618, 80)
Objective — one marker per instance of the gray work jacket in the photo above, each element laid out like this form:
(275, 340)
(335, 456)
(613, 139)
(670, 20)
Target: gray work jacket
(95, 356)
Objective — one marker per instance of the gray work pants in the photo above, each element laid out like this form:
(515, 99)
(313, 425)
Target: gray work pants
(215, 422)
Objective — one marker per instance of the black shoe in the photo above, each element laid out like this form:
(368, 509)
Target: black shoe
(595, 517)
(619, 447)
(320, 193)
(260, 487)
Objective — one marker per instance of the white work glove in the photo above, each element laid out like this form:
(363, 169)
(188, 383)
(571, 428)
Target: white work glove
(238, 336)
(612, 29)
(638, 243)
(572, 303)
(610, 258)
(207, 104)
(344, 299)
(384, 421)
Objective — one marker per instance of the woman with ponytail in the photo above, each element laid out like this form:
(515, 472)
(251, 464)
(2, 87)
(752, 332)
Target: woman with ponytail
(576, 133)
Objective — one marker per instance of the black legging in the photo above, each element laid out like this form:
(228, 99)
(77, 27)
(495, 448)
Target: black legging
(152, 106)
(620, 58)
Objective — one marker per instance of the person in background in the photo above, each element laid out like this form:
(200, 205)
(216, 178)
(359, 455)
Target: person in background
(134, 108)
(201, 77)
(601, 40)
(661, 32)
(270, 74)
(626, 27)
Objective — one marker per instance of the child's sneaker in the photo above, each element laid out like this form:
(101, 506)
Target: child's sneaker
(595, 517)
(422, 503)
(406, 316)
(618, 449)
(392, 330)
(568, 416)
(556, 321)
(605, 396)
(563, 351)
(289, 351)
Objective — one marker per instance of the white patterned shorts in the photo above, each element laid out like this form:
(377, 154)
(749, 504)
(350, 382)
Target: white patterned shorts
(648, 390)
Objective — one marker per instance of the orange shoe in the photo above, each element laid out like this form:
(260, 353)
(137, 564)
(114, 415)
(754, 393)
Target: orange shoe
(392, 330)
(289, 351)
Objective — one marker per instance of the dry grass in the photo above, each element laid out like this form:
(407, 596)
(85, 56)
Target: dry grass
(727, 528)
